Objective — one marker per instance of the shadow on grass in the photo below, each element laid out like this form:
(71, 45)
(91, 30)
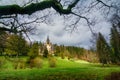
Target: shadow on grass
(113, 76)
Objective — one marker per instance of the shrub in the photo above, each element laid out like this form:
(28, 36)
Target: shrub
(2, 62)
(15, 65)
(19, 64)
(62, 55)
(22, 65)
(36, 62)
(52, 62)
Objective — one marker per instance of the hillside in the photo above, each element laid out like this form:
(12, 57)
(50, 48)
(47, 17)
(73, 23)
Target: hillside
(65, 70)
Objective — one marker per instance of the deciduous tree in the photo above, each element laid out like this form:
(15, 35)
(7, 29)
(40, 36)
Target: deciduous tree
(3, 37)
(76, 9)
(16, 44)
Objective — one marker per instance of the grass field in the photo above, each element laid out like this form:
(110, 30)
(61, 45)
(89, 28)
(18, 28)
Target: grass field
(64, 70)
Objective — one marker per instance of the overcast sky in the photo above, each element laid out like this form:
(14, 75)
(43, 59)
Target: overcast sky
(57, 33)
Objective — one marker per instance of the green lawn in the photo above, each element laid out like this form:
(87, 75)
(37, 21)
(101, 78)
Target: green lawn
(64, 70)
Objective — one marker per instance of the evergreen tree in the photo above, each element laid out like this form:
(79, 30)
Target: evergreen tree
(103, 50)
(56, 50)
(115, 43)
(34, 50)
(45, 53)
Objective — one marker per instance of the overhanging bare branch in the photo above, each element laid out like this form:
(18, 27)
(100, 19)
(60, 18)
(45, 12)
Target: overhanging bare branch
(33, 7)
(88, 22)
(100, 1)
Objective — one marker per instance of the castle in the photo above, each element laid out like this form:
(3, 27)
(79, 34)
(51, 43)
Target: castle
(48, 45)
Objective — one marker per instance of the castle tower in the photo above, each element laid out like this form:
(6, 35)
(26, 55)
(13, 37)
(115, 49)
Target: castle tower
(49, 45)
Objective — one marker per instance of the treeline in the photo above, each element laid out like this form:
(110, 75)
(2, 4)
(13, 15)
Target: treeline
(72, 52)
(109, 52)
(16, 45)
(68, 51)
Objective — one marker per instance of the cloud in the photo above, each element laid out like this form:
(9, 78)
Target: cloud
(58, 34)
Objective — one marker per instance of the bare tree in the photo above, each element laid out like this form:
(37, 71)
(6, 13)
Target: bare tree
(77, 10)
(115, 19)
(16, 23)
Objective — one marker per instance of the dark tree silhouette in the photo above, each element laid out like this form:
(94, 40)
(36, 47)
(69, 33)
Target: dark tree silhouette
(115, 44)
(103, 50)
(16, 9)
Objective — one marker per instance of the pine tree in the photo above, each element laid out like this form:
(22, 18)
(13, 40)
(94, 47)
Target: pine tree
(34, 50)
(115, 43)
(103, 50)
(45, 53)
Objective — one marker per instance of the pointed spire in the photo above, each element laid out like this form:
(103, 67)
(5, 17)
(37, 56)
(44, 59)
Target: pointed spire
(48, 40)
